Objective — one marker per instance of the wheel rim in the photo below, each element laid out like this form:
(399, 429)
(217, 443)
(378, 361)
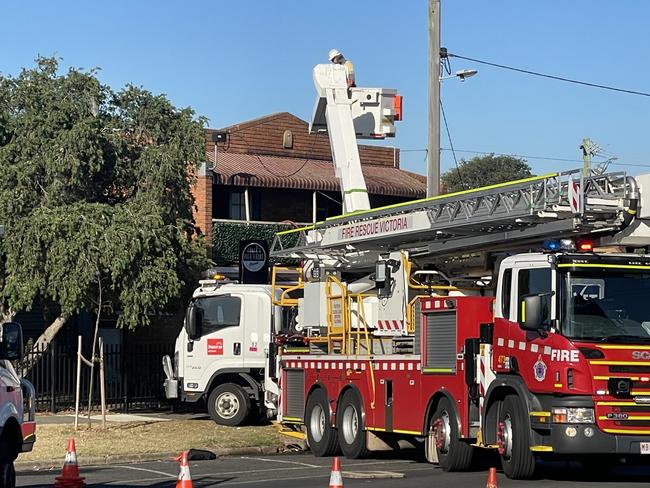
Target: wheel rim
(350, 424)
(504, 437)
(317, 423)
(227, 405)
(442, 432)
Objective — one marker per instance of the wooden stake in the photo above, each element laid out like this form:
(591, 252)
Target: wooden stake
(76, 398)
(102, 385)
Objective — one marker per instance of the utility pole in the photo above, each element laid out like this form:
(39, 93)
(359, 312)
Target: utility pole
(587, 152)
(433, 153)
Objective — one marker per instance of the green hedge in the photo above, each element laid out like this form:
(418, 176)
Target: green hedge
(227, 235)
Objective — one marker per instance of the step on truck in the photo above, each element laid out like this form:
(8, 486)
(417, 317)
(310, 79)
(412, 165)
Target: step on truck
(17, 405)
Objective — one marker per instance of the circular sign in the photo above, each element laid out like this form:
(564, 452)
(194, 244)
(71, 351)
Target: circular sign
(253, 257)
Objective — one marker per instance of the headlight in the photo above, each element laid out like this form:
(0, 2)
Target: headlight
(573, 416)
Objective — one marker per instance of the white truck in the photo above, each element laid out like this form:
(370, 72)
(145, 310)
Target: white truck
(17, 405)
(221, 352)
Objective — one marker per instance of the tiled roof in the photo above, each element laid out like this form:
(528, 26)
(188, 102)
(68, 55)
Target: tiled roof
(310, 174)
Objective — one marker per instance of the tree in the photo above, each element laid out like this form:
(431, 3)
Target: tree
(95, 196)
(485, 170)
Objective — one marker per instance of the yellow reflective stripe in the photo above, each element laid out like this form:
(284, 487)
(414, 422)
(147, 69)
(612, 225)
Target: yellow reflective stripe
(437, 370)
(631, 417)
(446, 195)
(606, 378)
(558, 385)
(627, 431)
(616, 404)
(541, 448)
(617, 346)
(291, 419)
(596, 265)
(409, 432)
(523, 311)
(281, 233)
(376, 429)
(539, 414)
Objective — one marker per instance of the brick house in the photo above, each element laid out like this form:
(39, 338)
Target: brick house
(271, 170)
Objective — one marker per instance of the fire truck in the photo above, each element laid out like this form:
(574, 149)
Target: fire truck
(511, 317)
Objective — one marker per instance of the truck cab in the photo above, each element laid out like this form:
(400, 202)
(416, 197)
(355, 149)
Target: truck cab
(17, 406)
(221, 351)
(572, 338)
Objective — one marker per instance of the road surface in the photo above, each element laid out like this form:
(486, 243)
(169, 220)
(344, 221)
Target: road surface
(304, 470)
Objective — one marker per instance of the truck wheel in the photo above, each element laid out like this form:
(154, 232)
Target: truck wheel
(514, 441)
(321, 437)
(453, 454)
(229, 404)
(7, 472)
(352, 433)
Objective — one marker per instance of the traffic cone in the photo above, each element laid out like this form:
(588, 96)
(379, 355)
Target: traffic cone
(336, 479)
(184, 477)
(70, 474)
(492, 478)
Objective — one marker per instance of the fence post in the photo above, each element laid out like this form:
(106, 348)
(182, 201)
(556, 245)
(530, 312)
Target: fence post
(52, 379)
(125, 376)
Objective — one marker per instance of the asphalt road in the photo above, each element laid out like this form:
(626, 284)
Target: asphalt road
(304, 470)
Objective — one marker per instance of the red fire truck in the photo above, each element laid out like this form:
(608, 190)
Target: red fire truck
(512, 317)
(455, 335)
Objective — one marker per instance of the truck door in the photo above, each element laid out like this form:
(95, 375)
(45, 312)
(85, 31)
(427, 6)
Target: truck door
(221, 340)
(256, 330)
(531, 350)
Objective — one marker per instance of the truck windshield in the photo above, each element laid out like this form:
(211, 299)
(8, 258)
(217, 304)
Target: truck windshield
(606, 305)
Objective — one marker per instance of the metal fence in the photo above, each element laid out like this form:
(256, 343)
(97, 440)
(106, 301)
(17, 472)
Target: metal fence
(133, 376)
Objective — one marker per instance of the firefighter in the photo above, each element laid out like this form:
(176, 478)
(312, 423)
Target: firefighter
(336, 57)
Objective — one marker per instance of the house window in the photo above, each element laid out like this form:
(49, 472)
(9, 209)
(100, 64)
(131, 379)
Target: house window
(237, 205)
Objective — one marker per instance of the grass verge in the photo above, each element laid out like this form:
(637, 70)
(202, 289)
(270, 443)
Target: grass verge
(139, 438)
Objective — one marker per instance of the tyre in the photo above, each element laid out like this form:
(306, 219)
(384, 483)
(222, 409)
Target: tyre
(453, 453)
(7, 472)
(229, 404)
(321, 436)
(350, 426)
(514, 440)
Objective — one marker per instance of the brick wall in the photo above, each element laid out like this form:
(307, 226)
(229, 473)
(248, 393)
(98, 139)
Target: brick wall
(265, 136)
(202, 191)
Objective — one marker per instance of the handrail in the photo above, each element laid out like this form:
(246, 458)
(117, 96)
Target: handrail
(284, 301)
(345, 326)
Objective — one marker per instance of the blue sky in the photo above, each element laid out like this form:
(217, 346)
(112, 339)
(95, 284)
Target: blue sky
(232, 61)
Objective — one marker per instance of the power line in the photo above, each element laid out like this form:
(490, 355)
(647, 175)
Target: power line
(553, 77)
(527, 156)
(444, 117)
(547, 158)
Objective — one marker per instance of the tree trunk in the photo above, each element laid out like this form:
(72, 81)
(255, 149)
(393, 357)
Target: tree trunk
(7, 314)
(42, 343)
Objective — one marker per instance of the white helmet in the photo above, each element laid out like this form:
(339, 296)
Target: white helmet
(334, 53)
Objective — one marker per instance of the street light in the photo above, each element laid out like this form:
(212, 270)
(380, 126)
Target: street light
(462, 74)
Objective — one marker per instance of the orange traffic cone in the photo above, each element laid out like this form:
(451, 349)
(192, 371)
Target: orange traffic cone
(70, 475)
(492, 478)
(184, 477)
(336, 479)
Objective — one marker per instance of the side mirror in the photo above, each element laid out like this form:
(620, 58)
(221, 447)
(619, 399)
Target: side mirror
(193, 319)
(531, 316)
(11, 341)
